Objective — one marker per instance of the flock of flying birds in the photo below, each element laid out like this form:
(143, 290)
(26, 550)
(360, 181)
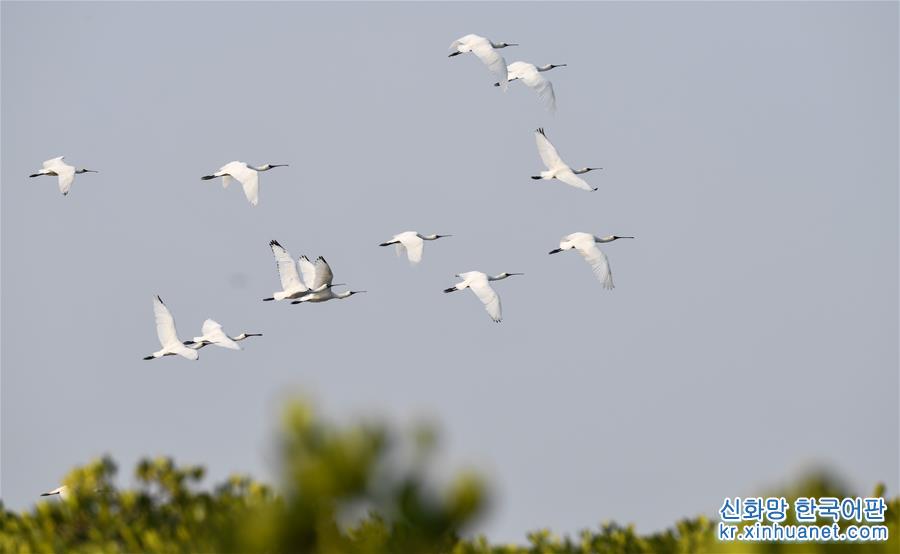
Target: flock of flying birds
(304, 281)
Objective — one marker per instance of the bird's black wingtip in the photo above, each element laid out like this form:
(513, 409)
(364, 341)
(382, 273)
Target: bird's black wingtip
(536, 177)
(147, 358)
(540, 130)
(268, 299)
(207, 177)
(451, 289)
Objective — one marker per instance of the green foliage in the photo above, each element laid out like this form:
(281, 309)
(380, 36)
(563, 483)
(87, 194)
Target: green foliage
(357, 489)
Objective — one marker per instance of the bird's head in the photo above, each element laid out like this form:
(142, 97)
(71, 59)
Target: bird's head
(243, 336)
(503, 44)
(586, 169)
(84, 170)
(550, 66)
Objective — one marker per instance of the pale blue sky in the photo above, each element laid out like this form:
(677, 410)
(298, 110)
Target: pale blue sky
(751, 148)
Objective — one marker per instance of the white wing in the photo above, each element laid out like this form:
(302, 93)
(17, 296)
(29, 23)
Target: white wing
(399, 249)
(308, 270)
(213, 332)
(492, 59)
(248, 178)
(324, 276)
(66, 175)
(184, 351)
(165, 325)
(52, 162)
(599, 264)
(287, 269)
(536, 82)
(548, 152)
(569, 178)
(414, 246)
(488, 297)
(226, 180)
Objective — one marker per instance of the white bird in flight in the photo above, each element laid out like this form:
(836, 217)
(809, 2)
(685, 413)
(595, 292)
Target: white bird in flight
(478, 282)
(531, 76)
(320, 278)
(292, 286)
(556, 168)
(168, 337)
(213, 334)
(586, 244)
(486, 52)
(412, 243)
(65, 172)
(62, 491)
(246, 175)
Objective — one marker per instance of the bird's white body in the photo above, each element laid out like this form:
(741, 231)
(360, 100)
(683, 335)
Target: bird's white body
(168, 336)
(411, 243)
(486, 51)
(213, 334)
(200, 342)
(530, 75)
(246, 175)
(556, 167)
(62, 491)
(479, 283)
(586, 245)
(63, 171)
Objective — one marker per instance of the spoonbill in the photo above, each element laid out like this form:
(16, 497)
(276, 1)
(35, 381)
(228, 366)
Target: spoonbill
(586, 244)
(62, 491)
(246, 175)
(321, 291)
(65, 172)
(479, 283)
(486, 52)
(556, 168)
(213, 334)
(412, 243)
(531, 76)
(168, 337)
(291, 284)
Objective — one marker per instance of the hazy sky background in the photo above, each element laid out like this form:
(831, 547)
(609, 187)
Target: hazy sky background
(751, 148)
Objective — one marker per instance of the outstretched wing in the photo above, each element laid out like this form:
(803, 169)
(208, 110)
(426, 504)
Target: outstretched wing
(492, 59)
(226, 180)
(213, 332)
(308, 270)
(287, 269)
(569, 178)
(165, 325)
(324, 276)
(548, 152)
(52, 162)
(66, 175)
(599, 264)
(544, 88)
(414, 246)
(248, 178)
(489, 298)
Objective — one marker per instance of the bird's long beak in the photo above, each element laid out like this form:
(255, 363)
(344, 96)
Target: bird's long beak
(279, 165)
(253, 334)
(91, 171)
(442, 236)
(515, 274)
(561, 65)
(626, 237)
(454, 54)
(556, 251)
(512, 44)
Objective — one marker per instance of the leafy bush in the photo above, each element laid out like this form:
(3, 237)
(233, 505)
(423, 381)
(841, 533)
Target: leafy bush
(360, 489)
